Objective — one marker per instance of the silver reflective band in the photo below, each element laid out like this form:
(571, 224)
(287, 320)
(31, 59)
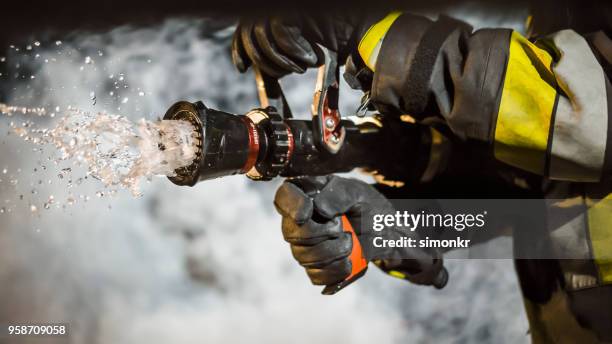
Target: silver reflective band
(581, 120)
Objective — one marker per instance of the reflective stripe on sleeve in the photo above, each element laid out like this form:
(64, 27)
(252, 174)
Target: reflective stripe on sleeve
(370, 43)
(581, 120)
(553, 118)
(526, 107)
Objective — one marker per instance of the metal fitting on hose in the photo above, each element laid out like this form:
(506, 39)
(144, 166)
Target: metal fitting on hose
(279, 140)
(227, 145)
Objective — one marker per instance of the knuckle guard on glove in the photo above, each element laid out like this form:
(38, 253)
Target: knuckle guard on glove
(343, 196)
(311, 232)
(323, 253)
(270, 51)
(290, 40)
(253, 50)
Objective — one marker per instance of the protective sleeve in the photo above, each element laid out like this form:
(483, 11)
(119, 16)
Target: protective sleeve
(541, 107)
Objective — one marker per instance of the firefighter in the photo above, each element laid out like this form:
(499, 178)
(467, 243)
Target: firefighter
(533, 112)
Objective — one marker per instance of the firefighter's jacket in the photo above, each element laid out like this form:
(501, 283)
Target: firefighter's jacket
(538, 106)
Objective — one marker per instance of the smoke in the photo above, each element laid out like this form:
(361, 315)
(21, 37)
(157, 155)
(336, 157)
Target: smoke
(201, 264)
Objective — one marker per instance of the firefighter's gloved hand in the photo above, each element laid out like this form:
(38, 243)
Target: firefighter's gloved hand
(312, 208)
(287, 43)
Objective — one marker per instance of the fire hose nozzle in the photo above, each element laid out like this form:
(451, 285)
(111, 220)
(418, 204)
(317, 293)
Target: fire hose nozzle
(258, 144)
(225, 143)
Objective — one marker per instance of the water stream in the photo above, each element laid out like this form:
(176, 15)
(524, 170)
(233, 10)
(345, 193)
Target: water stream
(113, 149)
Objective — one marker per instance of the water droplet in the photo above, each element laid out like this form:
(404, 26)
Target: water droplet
(124, 100)
(58, 43)
(28, 47)
(4, 171)
(33, 208)
(141, 94)
(88, 60)
(37, 43)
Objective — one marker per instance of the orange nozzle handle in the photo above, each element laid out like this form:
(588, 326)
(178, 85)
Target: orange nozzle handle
(359, 264)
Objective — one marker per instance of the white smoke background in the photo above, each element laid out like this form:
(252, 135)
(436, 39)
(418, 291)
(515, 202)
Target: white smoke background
(193, 265)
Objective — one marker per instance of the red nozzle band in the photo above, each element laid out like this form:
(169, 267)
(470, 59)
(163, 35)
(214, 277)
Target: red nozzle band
(253, 144)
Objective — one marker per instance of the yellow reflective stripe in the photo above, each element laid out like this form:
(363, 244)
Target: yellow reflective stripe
(600, 232)
(373, 39)
(525, 110)
(396, 274)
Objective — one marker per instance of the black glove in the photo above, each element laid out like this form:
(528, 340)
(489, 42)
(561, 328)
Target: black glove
(311, 209)
(285, 44)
